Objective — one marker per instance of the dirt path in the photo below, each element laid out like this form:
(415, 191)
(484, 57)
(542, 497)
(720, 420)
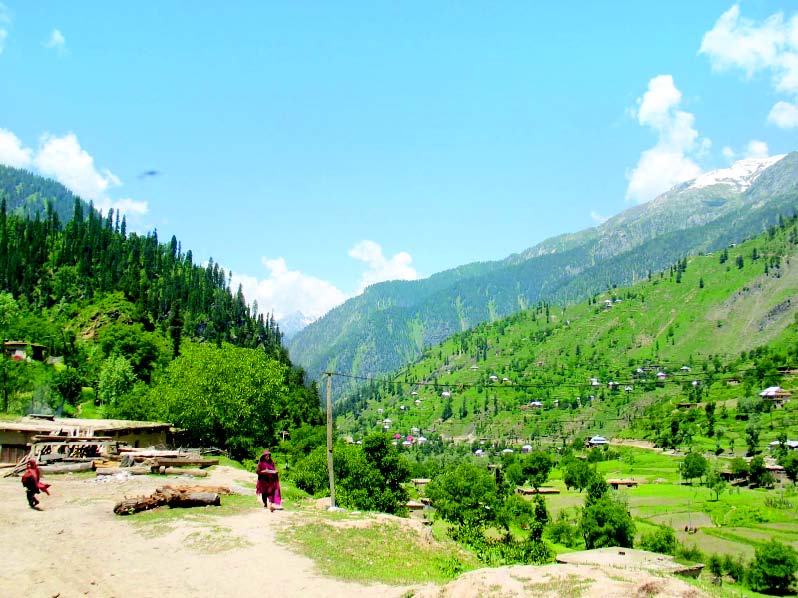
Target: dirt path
(77, 547)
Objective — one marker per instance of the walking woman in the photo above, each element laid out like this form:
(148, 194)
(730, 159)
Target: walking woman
(268, 482)
(31, 479)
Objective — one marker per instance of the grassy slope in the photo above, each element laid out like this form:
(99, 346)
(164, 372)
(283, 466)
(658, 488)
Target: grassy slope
(553, 357)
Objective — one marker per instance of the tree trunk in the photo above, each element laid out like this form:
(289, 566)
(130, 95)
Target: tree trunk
(173, 497)
(66, 468)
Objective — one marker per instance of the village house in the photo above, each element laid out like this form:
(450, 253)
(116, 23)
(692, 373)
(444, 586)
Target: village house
(19, 351)
(777, 395)
(16, 436)
(596, 441)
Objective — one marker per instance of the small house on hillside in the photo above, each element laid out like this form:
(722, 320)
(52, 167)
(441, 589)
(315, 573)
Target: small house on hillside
(777, 395)
(597, 441)
(23, 351)
(617, 483)
(790, 444)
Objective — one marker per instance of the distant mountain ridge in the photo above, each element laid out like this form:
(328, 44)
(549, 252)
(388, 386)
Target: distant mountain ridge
(390, 323)
(28, 195)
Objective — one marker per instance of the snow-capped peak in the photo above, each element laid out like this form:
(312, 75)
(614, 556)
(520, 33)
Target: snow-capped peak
(293, 323)
(740, 175)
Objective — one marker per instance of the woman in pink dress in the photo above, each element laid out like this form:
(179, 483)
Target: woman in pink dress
(31, 479)
(268, 482)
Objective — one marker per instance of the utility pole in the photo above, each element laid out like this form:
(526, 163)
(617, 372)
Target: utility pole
(330, 440)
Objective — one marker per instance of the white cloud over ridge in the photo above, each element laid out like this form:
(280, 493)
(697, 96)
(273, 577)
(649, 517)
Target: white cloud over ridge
(12, 152)
(671, 160)
(285, 292)
(63, 159)
(770, 46)
(380, 268)
(598, 218)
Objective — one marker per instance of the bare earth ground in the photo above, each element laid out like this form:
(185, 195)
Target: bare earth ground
(77, 547)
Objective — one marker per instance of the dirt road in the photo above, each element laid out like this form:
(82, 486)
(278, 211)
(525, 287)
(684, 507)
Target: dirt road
(77, 547)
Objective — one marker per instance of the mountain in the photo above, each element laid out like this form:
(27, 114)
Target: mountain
(29, 195)
(293, 323)
(391, 323)
(711, 330)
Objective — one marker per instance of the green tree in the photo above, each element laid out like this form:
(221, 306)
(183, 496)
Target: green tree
(715, 566)
(662, 540)
(116, 378)
(68, 384)
(716, 482)
(758, 475)
(224, 397)
(466, 494)
(773, 569)
(577, 474)
(790, 464)
(752, 437)
(694, 465)
(607, 522)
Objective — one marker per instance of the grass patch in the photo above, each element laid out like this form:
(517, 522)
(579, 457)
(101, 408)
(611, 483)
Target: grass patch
(379, 552)
(228, 462)
(215, 540)
(234, 504)
(570, 586)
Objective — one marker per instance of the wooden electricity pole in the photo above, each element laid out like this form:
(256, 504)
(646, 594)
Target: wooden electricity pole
(330, 440)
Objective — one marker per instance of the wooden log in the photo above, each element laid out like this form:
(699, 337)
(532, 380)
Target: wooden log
(198, 488)
(186, 461)
(196, 499)
(167, 496)
(129, 506)
(66, 468)
(128, 470)
(200, 473)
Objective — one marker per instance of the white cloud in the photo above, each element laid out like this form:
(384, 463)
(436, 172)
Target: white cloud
(771, 46)
(670, 161)
(5, 19)
(130, 206)
(67, 162)
(56, 42)
(728, 153)
(399, 267)
(285, 291)
(784, 115)
(63, 159)
(598, 218)
(757, 149)
(12, 152)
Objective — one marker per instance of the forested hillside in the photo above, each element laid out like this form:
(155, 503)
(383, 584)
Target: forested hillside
(30, 195)
(122, 314)
(391, 323)
(709, 332)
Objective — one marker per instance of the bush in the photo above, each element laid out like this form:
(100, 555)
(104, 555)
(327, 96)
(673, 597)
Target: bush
(563, 531)
(690, 553)
(773, 569)
(662, 540)
(606, 522)
(733, 568)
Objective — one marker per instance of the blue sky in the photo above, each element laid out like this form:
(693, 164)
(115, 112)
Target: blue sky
(312, 148)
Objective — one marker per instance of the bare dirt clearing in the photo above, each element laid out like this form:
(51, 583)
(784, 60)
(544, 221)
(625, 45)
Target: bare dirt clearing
(78, 547)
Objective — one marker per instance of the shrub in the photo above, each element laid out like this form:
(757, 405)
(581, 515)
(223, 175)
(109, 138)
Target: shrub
(662, 540)
(773, 569)
(606, 522)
